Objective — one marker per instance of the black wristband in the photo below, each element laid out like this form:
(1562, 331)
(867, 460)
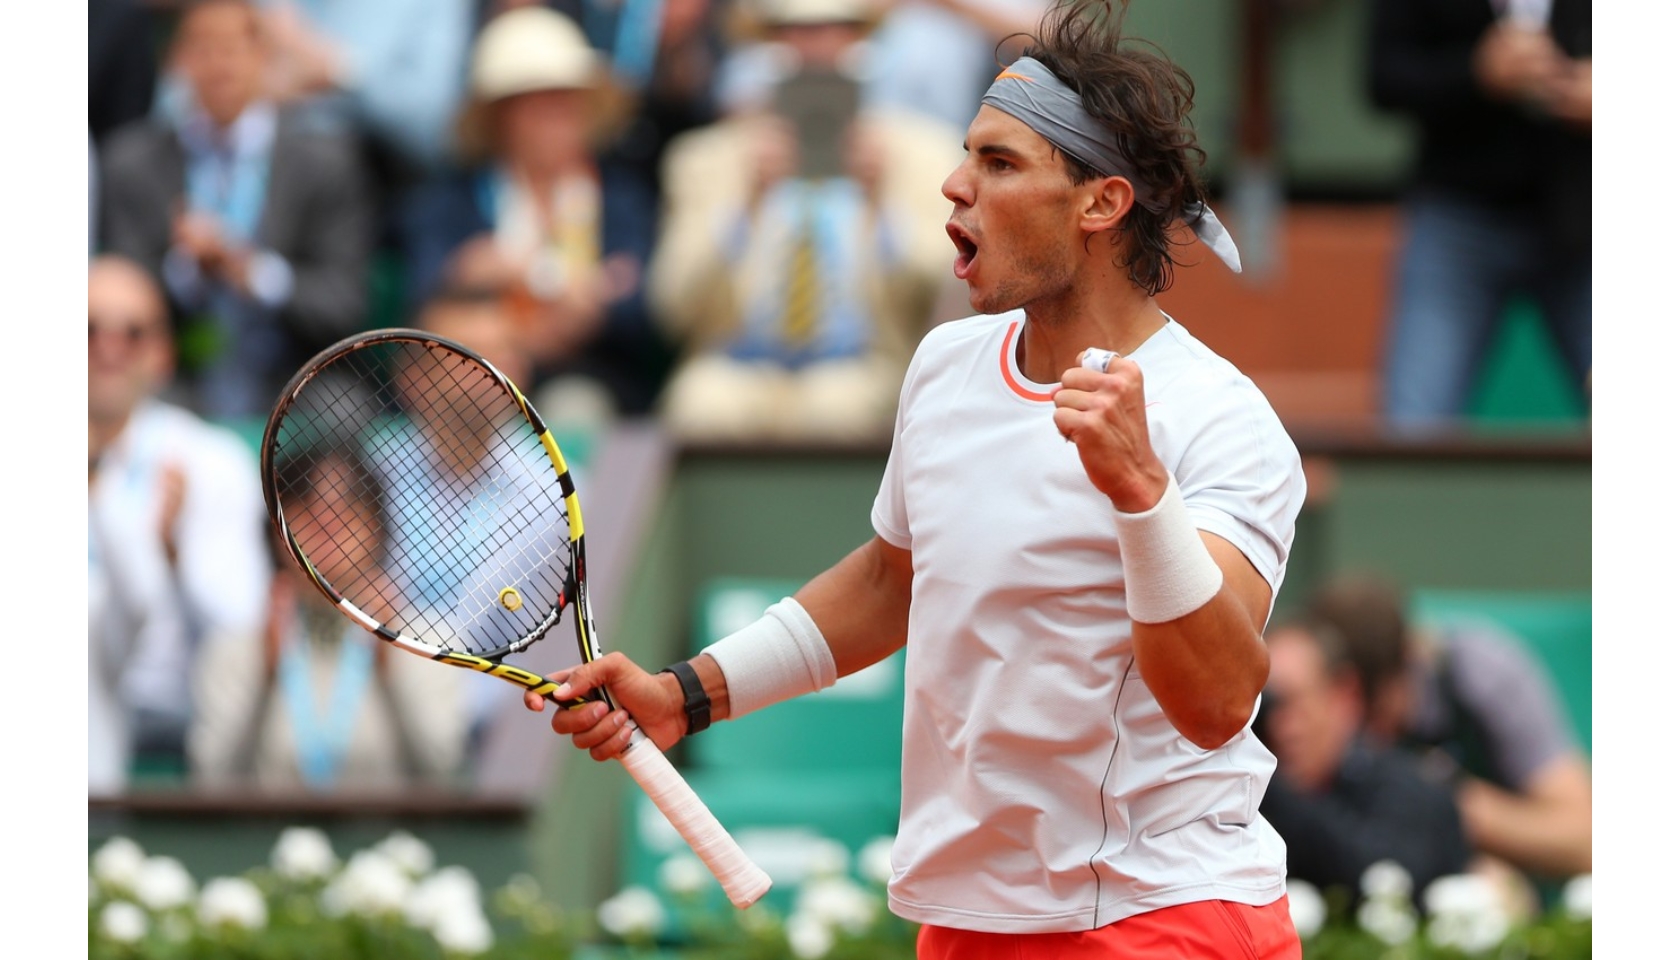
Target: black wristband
(696, 704)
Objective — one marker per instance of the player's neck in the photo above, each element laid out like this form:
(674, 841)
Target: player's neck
(1058, 331)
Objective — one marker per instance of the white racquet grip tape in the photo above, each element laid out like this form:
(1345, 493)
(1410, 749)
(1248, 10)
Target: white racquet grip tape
(743, 880)
(1169, 571)
(1095, 359)
(776, 657)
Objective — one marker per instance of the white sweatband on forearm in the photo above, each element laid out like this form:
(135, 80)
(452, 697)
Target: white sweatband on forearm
(1169, 571)
(776, 657)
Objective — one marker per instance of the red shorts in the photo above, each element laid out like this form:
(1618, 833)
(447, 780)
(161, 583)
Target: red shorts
(1206, 930)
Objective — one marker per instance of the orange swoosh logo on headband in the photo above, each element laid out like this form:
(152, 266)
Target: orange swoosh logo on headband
(1008, 74)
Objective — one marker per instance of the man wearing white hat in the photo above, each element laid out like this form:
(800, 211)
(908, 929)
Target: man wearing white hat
(802, 251)
(539, 216)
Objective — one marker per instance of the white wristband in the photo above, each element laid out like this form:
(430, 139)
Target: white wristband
(776, 657)
(1169, 572)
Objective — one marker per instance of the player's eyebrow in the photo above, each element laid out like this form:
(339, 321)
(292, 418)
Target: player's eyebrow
(987, 150)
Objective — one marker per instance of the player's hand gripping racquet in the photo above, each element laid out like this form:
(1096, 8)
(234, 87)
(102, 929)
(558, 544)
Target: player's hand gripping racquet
(416, 487)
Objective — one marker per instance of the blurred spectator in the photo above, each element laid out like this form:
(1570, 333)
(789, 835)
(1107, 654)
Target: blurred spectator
(937, 57)
(311, 700)
(122, 63)
(663, 57)
(803, 245)
(540, 217)
(259, 228)
(1341, 801)
(1476, 702)
(1501, 93)
(175, 532)
(392, 69)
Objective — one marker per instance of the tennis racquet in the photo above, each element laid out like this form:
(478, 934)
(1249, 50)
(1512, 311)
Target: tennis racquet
(417, 489)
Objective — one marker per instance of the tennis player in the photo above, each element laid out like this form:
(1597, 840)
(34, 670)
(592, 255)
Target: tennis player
(1083, 522)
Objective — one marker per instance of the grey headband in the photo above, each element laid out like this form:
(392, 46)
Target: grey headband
(1030, 93)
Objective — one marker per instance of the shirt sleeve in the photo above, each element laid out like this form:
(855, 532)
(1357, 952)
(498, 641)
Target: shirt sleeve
(890, 516)
(1241, 478)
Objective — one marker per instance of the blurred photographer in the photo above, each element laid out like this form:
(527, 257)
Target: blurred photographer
(803, 247)
(1341, 801)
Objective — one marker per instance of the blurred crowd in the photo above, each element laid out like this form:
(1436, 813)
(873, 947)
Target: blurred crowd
(726, 215)
(723, 214)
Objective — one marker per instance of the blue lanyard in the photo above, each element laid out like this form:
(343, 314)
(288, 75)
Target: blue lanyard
(323, 737)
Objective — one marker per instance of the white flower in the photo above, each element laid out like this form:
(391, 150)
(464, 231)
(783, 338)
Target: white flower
(163, 884)
(1306, 908)
(1463, 893)
(1577, 897)
(232, 902)
(632, 912)
(875, 860)
(808, 937)
(1389, 920)
(408, 851)
(1465, 912)
(118, 862)
(837, 902)
(827, 858)
(463, 928)
(683, 874)
(371, 883)
(122, 921)
(1386, 879)
(445, 891)
(303, 853)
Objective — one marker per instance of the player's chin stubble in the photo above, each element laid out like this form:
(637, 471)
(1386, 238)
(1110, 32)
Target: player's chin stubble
(1028, 280)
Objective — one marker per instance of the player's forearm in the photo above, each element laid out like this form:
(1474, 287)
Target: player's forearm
(1205, 668)
(1197, 607)
(852, 615)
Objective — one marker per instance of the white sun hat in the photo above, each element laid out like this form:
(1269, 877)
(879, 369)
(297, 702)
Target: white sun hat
(529, 49)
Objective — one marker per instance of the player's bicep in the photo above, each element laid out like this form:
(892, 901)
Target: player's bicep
(862, 604)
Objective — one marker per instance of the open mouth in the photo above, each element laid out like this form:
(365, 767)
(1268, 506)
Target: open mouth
(967, 250)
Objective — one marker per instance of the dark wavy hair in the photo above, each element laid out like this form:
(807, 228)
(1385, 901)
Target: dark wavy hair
(1131, 88)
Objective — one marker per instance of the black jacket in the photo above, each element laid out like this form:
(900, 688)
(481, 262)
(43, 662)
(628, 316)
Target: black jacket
(1470, 146)
(1381, 806)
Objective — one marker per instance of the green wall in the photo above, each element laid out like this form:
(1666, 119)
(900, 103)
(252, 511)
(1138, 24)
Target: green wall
(1329, 137)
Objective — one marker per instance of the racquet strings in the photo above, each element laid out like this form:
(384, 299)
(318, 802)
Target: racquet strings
(416, 488)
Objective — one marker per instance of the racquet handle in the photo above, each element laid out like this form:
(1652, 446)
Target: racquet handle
(743, 880)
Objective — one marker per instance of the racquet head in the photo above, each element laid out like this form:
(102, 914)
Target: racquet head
(423, 495)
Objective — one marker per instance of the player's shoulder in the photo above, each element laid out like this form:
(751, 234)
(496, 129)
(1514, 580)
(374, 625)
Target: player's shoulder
(1175, 352)
(1176, 363)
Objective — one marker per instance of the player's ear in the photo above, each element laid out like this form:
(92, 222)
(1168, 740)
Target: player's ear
(1106, 203)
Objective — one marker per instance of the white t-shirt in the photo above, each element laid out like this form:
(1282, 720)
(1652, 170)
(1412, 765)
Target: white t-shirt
(1044, 788)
